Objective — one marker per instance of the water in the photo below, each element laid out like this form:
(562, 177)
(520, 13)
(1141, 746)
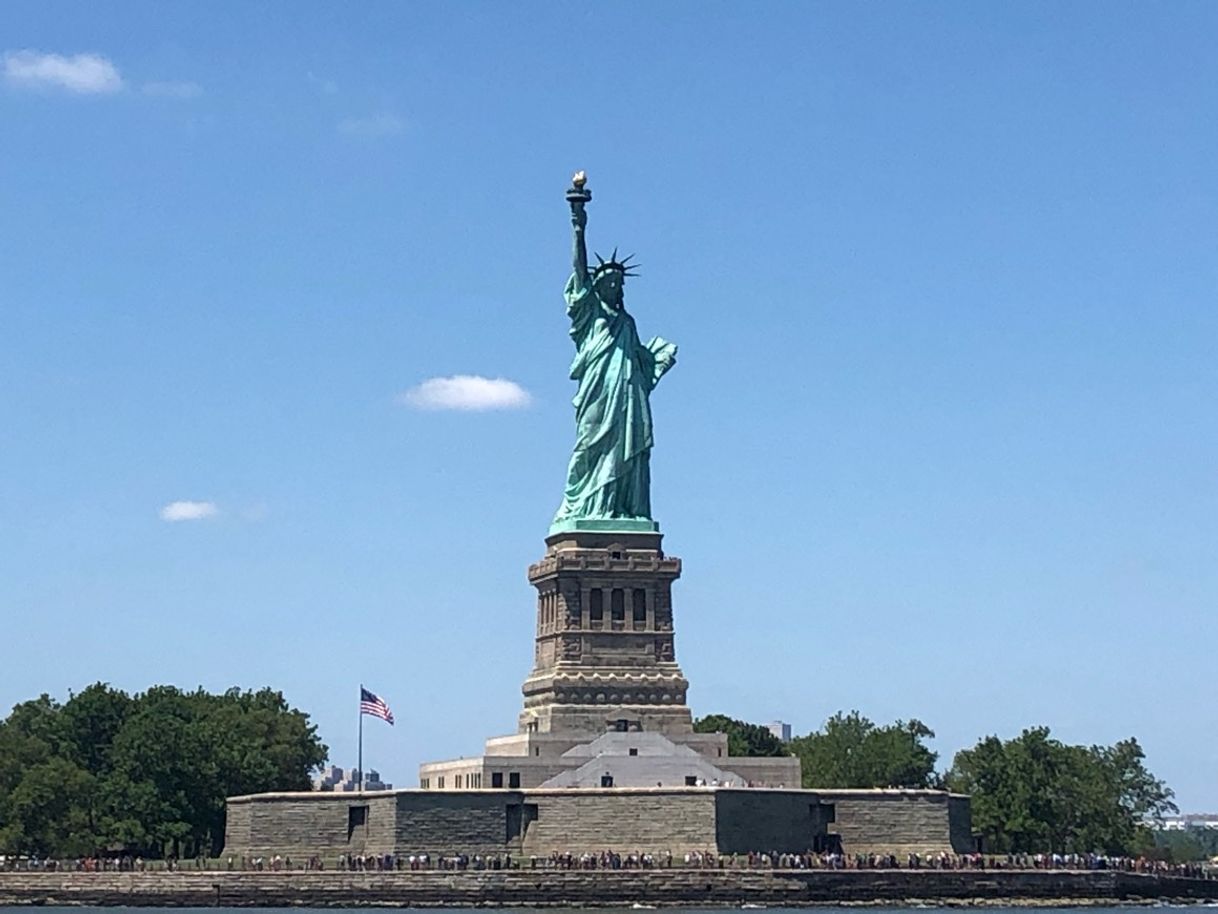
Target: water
(879, 909)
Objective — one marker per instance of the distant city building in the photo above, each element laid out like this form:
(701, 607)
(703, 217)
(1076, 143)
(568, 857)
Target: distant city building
(1190, 820)
(781, 729)
(347, 779)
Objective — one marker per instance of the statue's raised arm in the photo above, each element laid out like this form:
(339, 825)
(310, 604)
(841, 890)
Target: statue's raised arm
(578, 196)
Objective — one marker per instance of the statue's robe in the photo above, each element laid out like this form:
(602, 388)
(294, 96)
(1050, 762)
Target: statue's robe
(610, 471)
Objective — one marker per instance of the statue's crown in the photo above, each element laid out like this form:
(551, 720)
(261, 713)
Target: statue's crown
(623, 266)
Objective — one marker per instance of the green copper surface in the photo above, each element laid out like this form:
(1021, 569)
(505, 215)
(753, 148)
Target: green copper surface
(609, 476)
(604, 525)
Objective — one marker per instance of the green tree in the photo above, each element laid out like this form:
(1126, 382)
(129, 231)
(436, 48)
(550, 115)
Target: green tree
(49, 812)
(148, 773)
(90, 721)
(37, 725)
(1188, 845)
(852, 751)
(29, 738)
(1035, 793)
(742, 738)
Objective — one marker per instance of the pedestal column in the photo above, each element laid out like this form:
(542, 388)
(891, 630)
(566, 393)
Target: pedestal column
(596, 668)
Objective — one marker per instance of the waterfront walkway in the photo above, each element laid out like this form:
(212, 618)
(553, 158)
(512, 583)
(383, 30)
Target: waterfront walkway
(615, 860)
(679, 885)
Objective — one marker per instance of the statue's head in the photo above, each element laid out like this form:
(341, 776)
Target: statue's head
(609, 279)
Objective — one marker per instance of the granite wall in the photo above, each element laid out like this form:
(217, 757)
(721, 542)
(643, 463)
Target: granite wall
(303, 824)
(453, 822)
(650, 821)
(540, 822)
(900, 821)
(751, 820)
(597, 888)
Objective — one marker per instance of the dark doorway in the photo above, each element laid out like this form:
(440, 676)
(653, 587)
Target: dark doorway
(519, 817)
(357, 819)
(826, 844)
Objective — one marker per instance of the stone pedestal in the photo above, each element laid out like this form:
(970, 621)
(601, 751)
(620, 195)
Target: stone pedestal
(605, 702)
(604, 657)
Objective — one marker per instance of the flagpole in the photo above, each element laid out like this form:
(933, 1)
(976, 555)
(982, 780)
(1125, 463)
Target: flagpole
(359, 774)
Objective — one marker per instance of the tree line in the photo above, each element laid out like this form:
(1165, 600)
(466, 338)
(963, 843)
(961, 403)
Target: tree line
(1030, 794)
(149, 773)
(144, 774)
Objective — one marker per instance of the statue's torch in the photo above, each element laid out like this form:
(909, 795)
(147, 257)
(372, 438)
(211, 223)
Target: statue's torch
(578, 194)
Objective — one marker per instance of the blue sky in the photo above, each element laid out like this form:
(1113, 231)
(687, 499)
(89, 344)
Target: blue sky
(940, 442)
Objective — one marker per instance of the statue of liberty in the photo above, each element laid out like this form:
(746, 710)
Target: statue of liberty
(609, 477)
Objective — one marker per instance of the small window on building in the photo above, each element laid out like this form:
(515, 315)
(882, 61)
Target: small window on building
(617, 604)
(606, 779)
(440, 782)
(537, 750)
(616, 555)
(513, 779)
(621, 725)
(357, 820)
(496, 778)
(596, 605)
(640, 606)
(691, 780)
(633, 751)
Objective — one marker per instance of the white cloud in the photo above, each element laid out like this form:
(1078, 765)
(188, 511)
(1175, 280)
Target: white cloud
(83, 73)
(189, 510)
(467, 392)
(374, 125)
(173, 89)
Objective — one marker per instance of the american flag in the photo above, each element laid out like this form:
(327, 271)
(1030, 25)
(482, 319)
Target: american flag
(374, 705)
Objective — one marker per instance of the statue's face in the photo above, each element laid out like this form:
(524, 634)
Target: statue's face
(610, 288)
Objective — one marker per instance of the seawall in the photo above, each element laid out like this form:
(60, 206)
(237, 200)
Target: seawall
(542, 821)
(598, 888)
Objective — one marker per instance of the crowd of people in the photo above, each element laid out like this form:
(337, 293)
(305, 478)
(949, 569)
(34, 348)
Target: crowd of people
(614, 860)
(109, 864)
